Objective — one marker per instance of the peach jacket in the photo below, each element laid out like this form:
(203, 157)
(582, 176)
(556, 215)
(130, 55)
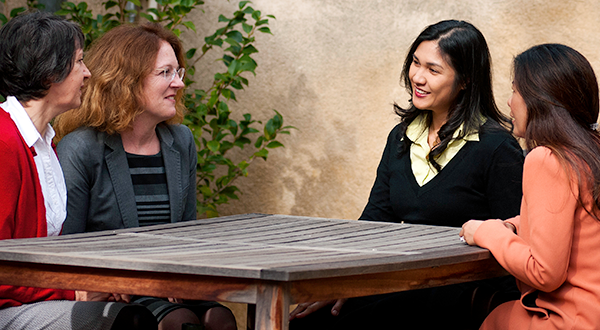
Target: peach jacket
(556, 254)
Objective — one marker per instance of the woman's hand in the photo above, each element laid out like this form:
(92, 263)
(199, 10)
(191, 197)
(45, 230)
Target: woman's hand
(93, 296)
(468, 230)
(101, 296)
(125, 298)
(175, 300)
(306, 309)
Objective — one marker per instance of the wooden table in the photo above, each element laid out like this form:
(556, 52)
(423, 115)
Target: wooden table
(268, 260)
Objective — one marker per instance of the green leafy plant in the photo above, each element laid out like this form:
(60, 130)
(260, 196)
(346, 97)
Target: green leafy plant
(216, 130)
(8, 14)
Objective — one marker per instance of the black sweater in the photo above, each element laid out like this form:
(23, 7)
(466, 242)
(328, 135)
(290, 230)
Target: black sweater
(482, 181)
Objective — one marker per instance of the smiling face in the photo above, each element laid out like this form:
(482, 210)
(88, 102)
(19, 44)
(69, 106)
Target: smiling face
(432, 79)
(518, 112)
(159, 93)
(66, 95)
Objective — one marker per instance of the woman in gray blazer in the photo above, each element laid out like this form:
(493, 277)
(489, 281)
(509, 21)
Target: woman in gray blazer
(127, 159)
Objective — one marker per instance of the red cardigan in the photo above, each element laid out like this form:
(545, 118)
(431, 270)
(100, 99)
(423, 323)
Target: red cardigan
(22, 211)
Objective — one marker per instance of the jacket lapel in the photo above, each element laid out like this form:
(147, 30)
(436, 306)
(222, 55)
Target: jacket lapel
(118, 169)
(172, 161)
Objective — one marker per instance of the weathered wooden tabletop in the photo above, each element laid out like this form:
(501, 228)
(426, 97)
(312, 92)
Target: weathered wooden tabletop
(268, 260)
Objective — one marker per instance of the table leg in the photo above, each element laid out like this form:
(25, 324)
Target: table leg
(272, 307)
(250, 317)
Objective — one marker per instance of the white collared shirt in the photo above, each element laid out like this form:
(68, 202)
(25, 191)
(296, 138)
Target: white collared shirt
(418, 132)
(48, 168)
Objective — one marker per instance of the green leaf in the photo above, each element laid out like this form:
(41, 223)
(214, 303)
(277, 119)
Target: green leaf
(241, 142)
(226, 145)
(16, 11)
(232, 41)
(190, 25)
(206, 191)
(226, 93)
(274, 144)
(247, 27)
(250, 49)
(82, 6)
(223, 109)
(259, 142)
(189, 54)
(190, 4)
(211, 213)
(243, 165)
(233, 68)
(265, 29)
(3, 19)
(262, 153)
(223, 18)
(242, 4)
(60, 12)
(148, 17)
(213, 146)
(230, 192)
(227, 59)
(136, 2)
(235, 35)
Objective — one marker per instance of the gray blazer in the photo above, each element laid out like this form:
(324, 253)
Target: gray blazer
(99, 189)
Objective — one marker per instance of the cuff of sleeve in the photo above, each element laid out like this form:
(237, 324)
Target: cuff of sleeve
(487, 232)
(515, 222)
(70, 294)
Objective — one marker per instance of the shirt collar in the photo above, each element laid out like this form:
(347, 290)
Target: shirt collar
(415, 130)
(24, 123)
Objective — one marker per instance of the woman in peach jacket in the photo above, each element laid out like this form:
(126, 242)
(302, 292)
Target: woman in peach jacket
(553, 247)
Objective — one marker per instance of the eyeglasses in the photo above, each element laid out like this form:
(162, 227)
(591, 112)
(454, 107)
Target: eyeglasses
(169, 74)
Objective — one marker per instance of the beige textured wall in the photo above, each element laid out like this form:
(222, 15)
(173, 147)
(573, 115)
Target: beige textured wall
(332, 69)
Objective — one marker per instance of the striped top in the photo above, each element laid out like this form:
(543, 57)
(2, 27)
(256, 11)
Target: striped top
(150, 188)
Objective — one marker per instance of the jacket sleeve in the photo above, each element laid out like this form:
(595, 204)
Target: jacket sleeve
(190, 210)
(550, 203)
(9, 190)
(73, 155)
(15, 225)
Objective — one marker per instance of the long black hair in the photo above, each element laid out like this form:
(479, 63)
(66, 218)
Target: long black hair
(463, 46)
(560, 91)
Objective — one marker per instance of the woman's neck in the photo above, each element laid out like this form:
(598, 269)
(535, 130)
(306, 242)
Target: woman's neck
(40, 113)
(141, 140)
(437, 121)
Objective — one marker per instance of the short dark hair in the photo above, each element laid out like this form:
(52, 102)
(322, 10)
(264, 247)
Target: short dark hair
(36, 50)
(464, 47)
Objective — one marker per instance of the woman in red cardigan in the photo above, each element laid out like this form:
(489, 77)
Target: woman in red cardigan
(552, 246)
(41, 75)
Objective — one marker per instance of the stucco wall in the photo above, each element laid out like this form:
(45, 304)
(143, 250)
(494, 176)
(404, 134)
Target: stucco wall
(332, 69)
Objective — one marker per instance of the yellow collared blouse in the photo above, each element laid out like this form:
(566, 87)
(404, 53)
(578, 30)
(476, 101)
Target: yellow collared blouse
(422, 169)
